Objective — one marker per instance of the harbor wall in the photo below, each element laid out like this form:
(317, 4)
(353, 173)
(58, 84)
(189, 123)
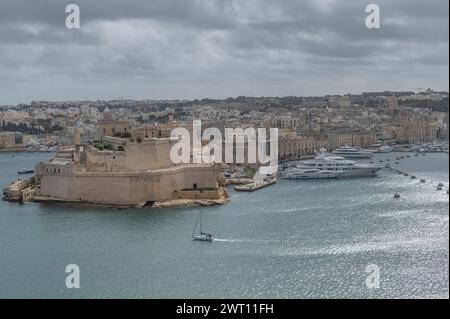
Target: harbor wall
(199, 194)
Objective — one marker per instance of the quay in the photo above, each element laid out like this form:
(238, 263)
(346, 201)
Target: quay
(256, 185)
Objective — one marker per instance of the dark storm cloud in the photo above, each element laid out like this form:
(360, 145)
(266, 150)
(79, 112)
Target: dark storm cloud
(195, 48)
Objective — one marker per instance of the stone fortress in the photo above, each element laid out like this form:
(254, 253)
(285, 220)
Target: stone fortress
(125, 171)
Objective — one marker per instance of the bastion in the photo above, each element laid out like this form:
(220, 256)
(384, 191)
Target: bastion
(120, 171)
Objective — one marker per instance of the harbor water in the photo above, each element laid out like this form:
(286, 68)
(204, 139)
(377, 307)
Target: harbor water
(294, 239)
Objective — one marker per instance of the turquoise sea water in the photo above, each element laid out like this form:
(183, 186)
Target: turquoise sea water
(296, 239)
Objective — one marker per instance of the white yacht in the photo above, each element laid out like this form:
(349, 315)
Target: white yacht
(300, 173)
(385, 149)
(340, 165)
(352, 152)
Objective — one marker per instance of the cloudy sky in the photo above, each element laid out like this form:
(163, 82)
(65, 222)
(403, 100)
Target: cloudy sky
(218, 48)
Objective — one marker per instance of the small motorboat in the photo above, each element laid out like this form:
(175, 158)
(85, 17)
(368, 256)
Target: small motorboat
(25, 171)
(396, 195)
(413, 176)
(422, 180)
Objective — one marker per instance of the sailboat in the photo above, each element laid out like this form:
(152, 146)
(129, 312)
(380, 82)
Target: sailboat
(201, 236)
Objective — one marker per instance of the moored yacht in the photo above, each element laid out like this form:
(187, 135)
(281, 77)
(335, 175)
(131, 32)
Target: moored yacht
(352, 152)
(300, 173)
(385, 149)
(340, 165)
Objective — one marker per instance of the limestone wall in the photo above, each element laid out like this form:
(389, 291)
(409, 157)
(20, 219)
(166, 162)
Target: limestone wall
(126, 188)
(196, 194)
(150, 154)
(105, 161)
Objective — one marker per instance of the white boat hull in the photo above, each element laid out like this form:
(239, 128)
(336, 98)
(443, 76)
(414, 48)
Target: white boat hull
(361, 172)
(303, 176)
(203, 237)
(332, 164)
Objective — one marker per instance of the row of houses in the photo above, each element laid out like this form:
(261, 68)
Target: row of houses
(10, 141)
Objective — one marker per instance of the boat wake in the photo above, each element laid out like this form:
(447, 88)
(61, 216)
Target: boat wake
(247, 241)
(225, 240)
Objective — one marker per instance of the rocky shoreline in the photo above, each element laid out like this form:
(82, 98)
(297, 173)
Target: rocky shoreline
(20, 191)
(222, 200)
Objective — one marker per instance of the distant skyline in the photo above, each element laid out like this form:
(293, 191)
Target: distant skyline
(187, 49)
(212, 98)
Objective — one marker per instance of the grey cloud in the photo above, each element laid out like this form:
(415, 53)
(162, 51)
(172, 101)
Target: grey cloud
(196, 48)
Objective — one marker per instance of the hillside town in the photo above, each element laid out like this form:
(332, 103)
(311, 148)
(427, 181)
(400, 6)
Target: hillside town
(306, 124)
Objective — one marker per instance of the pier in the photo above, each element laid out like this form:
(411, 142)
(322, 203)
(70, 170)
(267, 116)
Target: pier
(256, 185)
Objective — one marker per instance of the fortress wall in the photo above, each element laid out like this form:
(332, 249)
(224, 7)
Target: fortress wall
(125, 188)
(55, 186)
(197, 194)
(105, 161)
(150, 154)
(206, 180)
